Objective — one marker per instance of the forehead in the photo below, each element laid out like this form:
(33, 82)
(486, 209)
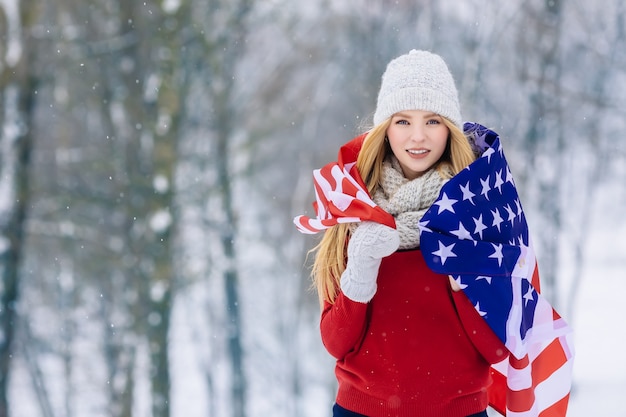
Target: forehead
(415, 114)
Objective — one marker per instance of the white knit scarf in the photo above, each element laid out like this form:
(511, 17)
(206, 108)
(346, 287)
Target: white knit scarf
(405, 200)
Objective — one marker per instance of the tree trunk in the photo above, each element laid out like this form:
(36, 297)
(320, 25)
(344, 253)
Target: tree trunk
(231, 281)
(226, 51)
(544, 135)
(18, 86)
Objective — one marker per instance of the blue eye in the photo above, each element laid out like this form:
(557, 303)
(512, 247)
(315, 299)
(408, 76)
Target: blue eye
(402, 122)
(433, 122)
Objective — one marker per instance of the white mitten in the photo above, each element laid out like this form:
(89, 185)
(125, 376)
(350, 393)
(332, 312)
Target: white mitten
(369, 243)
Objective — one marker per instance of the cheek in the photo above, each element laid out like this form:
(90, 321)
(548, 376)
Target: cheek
(442, 141)
(390, 134)
(394, 139)
(397, 146)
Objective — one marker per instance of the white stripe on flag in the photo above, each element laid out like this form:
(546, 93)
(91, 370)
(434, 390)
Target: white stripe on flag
(555, 388)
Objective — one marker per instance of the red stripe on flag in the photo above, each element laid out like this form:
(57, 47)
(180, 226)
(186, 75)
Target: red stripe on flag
(520, 401)
(548, 362)
(558, 409)
(535, 278)
(524, 399)
(303, 225)
(519, 363)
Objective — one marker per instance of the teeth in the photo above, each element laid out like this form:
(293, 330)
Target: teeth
(417, 152)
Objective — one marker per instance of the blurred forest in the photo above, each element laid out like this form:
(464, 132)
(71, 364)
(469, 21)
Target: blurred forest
(154, 153)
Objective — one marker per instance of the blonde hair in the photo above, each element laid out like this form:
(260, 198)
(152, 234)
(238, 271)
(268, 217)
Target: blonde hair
(330, 258)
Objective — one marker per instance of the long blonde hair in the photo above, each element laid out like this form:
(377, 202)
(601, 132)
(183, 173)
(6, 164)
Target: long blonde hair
(330, 258)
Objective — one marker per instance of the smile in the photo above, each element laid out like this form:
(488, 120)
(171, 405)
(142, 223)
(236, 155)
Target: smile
(416, 151)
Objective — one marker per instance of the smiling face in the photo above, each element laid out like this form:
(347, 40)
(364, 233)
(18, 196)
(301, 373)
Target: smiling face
(418, 139)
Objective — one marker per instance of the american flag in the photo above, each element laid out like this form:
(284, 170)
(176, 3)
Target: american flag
(341, 195)
(476, 231)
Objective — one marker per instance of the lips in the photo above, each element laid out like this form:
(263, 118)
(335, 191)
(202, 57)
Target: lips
(417, 151)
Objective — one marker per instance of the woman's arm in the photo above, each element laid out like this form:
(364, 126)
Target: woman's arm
(343, 325)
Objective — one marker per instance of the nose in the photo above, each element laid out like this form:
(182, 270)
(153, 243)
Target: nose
(417, 132)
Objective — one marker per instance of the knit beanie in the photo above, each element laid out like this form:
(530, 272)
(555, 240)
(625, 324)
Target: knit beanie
(419, 80)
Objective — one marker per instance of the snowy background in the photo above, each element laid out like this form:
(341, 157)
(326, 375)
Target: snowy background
(599, 377)
(153, 155)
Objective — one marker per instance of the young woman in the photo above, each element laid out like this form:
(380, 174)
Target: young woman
(407, 343)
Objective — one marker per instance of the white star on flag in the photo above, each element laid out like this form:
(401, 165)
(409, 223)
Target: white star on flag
(518, 206)
(422, 225)
(462, 233)
(488, 279)
(487, 154)
(497, 219)
(499, 182)
(486, 188)
(459, 283)
(497, 254)
(445, 203)
(477, 307)
(467, 194)
(445, 252)
(509, 176)
(529, 295)
(512, 214)
(479, 226)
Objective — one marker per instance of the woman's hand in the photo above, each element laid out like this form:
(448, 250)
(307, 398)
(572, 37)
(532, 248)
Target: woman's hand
(369, 243)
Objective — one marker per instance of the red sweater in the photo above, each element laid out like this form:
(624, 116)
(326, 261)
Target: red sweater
(417, 349)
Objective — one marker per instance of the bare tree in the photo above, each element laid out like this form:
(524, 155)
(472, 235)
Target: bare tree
(225, 45)
(155, 88)
(17, 97)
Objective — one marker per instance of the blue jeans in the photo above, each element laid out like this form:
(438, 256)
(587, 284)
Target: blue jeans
(339, 411)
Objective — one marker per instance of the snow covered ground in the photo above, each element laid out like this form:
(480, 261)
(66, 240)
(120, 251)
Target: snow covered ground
(599, 320)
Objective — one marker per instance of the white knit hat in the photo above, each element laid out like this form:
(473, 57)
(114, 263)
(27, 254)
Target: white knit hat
(419, 80)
